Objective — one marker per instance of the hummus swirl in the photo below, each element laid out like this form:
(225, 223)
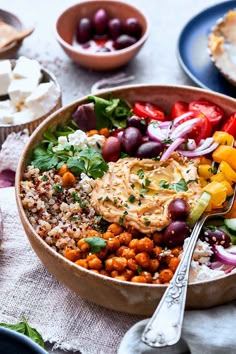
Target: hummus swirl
(136, 192)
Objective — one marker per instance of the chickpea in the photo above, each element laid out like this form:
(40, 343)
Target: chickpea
(94, 271)
(125, 238)
(134, 232)
(128, 274)
(119, 252)
(120, 277)
(138, 279)
(143, 259)
(153, 265)
(115, 273)
(145, 244)
(92, 132)
(68, 179)
(119, 263)
(113, 244)
(105, 132)
(63, 169)
(83, 245)
(165, 276)
(157, 238)
(108, 235)
(82, 263)
(132, 264)
(94, 262)
(176, 251)
(72, 255)
(148, 276)
(134, 244)
(104, 272)
(128, 253)
(116, 229)
(167, 258)
(109, 265)
(102, 253)
(157, 251)
(173, 264)
(92, 233)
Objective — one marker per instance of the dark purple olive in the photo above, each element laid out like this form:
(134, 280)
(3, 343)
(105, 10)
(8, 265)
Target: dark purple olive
(132, 27)
(137, 122)
(178, 209)
(115, 27)
(100, 21)
(111, 149)
(131, 139)
(175, 233)
(85, 117)
(215, 236)
(84, 30)
(118, 133)
(149, 149)
(103, 50)
(124, 41)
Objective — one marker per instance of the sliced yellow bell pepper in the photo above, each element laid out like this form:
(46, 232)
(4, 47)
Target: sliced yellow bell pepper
(205, 161)
(229, 173)
(217, 191)
(232, 213)
(205, 171)
(203, 182)
(223, 138)
(229, 189)
(218, 177)
(225, 153)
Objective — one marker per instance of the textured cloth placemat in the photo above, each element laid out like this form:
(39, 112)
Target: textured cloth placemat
(28, 290)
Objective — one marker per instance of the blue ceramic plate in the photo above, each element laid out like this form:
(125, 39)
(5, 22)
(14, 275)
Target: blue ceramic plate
(192, 50)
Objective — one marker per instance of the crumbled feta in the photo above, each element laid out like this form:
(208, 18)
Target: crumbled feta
(96, 141)
(5, 76)
(199, 272)
(202, 251)
(19, 90)
(86, 183)
(26, 68)
(62, 140)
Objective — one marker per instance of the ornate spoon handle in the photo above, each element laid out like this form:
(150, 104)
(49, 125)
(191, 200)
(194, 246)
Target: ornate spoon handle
(164, 327)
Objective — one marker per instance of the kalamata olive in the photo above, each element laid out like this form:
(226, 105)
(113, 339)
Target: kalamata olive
(215, 236)
(178, 209)
(100, 21)
(111, 149)
(118, 133)
(137, 122)
(85, 117)
(124, 41)
(175, 233)
(132, 27)
(131, 139)
(84, 30)
(149, 149)
(115, 27)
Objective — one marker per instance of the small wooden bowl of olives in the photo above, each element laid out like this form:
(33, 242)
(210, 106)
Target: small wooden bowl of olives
(102, 34)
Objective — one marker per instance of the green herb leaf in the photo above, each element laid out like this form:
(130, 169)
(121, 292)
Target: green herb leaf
(177, 187)
(140, 173)
(131, 198)
(24, 328)
(96, 243)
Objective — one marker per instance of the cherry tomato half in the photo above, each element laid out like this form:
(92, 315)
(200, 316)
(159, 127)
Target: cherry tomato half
(213, 112)
(230, 125)
(200, 131)
(149, 110)
(178, 108)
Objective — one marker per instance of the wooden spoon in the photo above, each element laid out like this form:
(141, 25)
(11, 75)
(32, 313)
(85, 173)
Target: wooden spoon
(9, 34)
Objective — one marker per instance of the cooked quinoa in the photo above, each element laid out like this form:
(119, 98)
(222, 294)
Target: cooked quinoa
(60, 216)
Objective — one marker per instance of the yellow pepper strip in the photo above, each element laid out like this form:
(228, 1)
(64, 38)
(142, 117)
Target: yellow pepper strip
(232, 213)
(205, 171)
(218, 177)
(205, 161)
(218, 192)
(225, 153)
(227, 171)
(203, 182)
(229, 189)
(223, 138)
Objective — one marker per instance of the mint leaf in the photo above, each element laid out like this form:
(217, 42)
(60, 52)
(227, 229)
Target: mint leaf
(96, 243)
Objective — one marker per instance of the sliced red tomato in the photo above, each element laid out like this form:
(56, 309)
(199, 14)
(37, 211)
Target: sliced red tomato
(230, 125)
(178, 108)
(200, 131)
(213, 112)
(149, 110)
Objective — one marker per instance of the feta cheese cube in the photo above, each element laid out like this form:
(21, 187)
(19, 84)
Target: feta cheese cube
(26, 68)
(79, 139)
(42, 99)
(20, 89)
(5, 76)
(6, 112)
(23, 116)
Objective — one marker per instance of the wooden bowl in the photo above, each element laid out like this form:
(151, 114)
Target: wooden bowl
(66, 26)
(105, 291)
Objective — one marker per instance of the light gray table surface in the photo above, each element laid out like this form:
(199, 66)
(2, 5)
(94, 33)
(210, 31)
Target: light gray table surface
(156, 63)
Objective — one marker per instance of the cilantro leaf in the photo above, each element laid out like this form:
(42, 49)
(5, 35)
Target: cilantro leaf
(180, 186)
(96, 243)
(24, 328)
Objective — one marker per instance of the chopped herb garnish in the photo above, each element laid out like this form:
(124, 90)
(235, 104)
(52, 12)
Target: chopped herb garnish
(44, 178)
(106, 199)
(131, 198)
(115, 201)
(139, 270)
(147, 221)
(192, 180)
(96, 243)
(58, 188)
(180, 186)
(140, 173)
(147, 182)
(75, 197)
(167, 141)
(121, 220)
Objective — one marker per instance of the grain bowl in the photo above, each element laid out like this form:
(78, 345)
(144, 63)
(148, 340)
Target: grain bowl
(79, 36)
(108, 248)
(28, 94)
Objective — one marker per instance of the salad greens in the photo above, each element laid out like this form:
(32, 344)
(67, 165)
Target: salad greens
(24, 328)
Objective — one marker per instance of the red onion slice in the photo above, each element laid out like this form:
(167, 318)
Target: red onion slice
(205, 144)
(171, 148)
(181, 117)
(184, 128)
(224, 256)
(195, 153)
(156, 133)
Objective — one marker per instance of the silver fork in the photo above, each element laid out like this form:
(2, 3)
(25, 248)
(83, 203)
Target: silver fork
(165, 325)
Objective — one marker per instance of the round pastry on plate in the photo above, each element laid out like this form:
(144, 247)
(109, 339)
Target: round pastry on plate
(222, 46)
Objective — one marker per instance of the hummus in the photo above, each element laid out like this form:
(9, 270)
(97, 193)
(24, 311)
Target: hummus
(136, 192)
